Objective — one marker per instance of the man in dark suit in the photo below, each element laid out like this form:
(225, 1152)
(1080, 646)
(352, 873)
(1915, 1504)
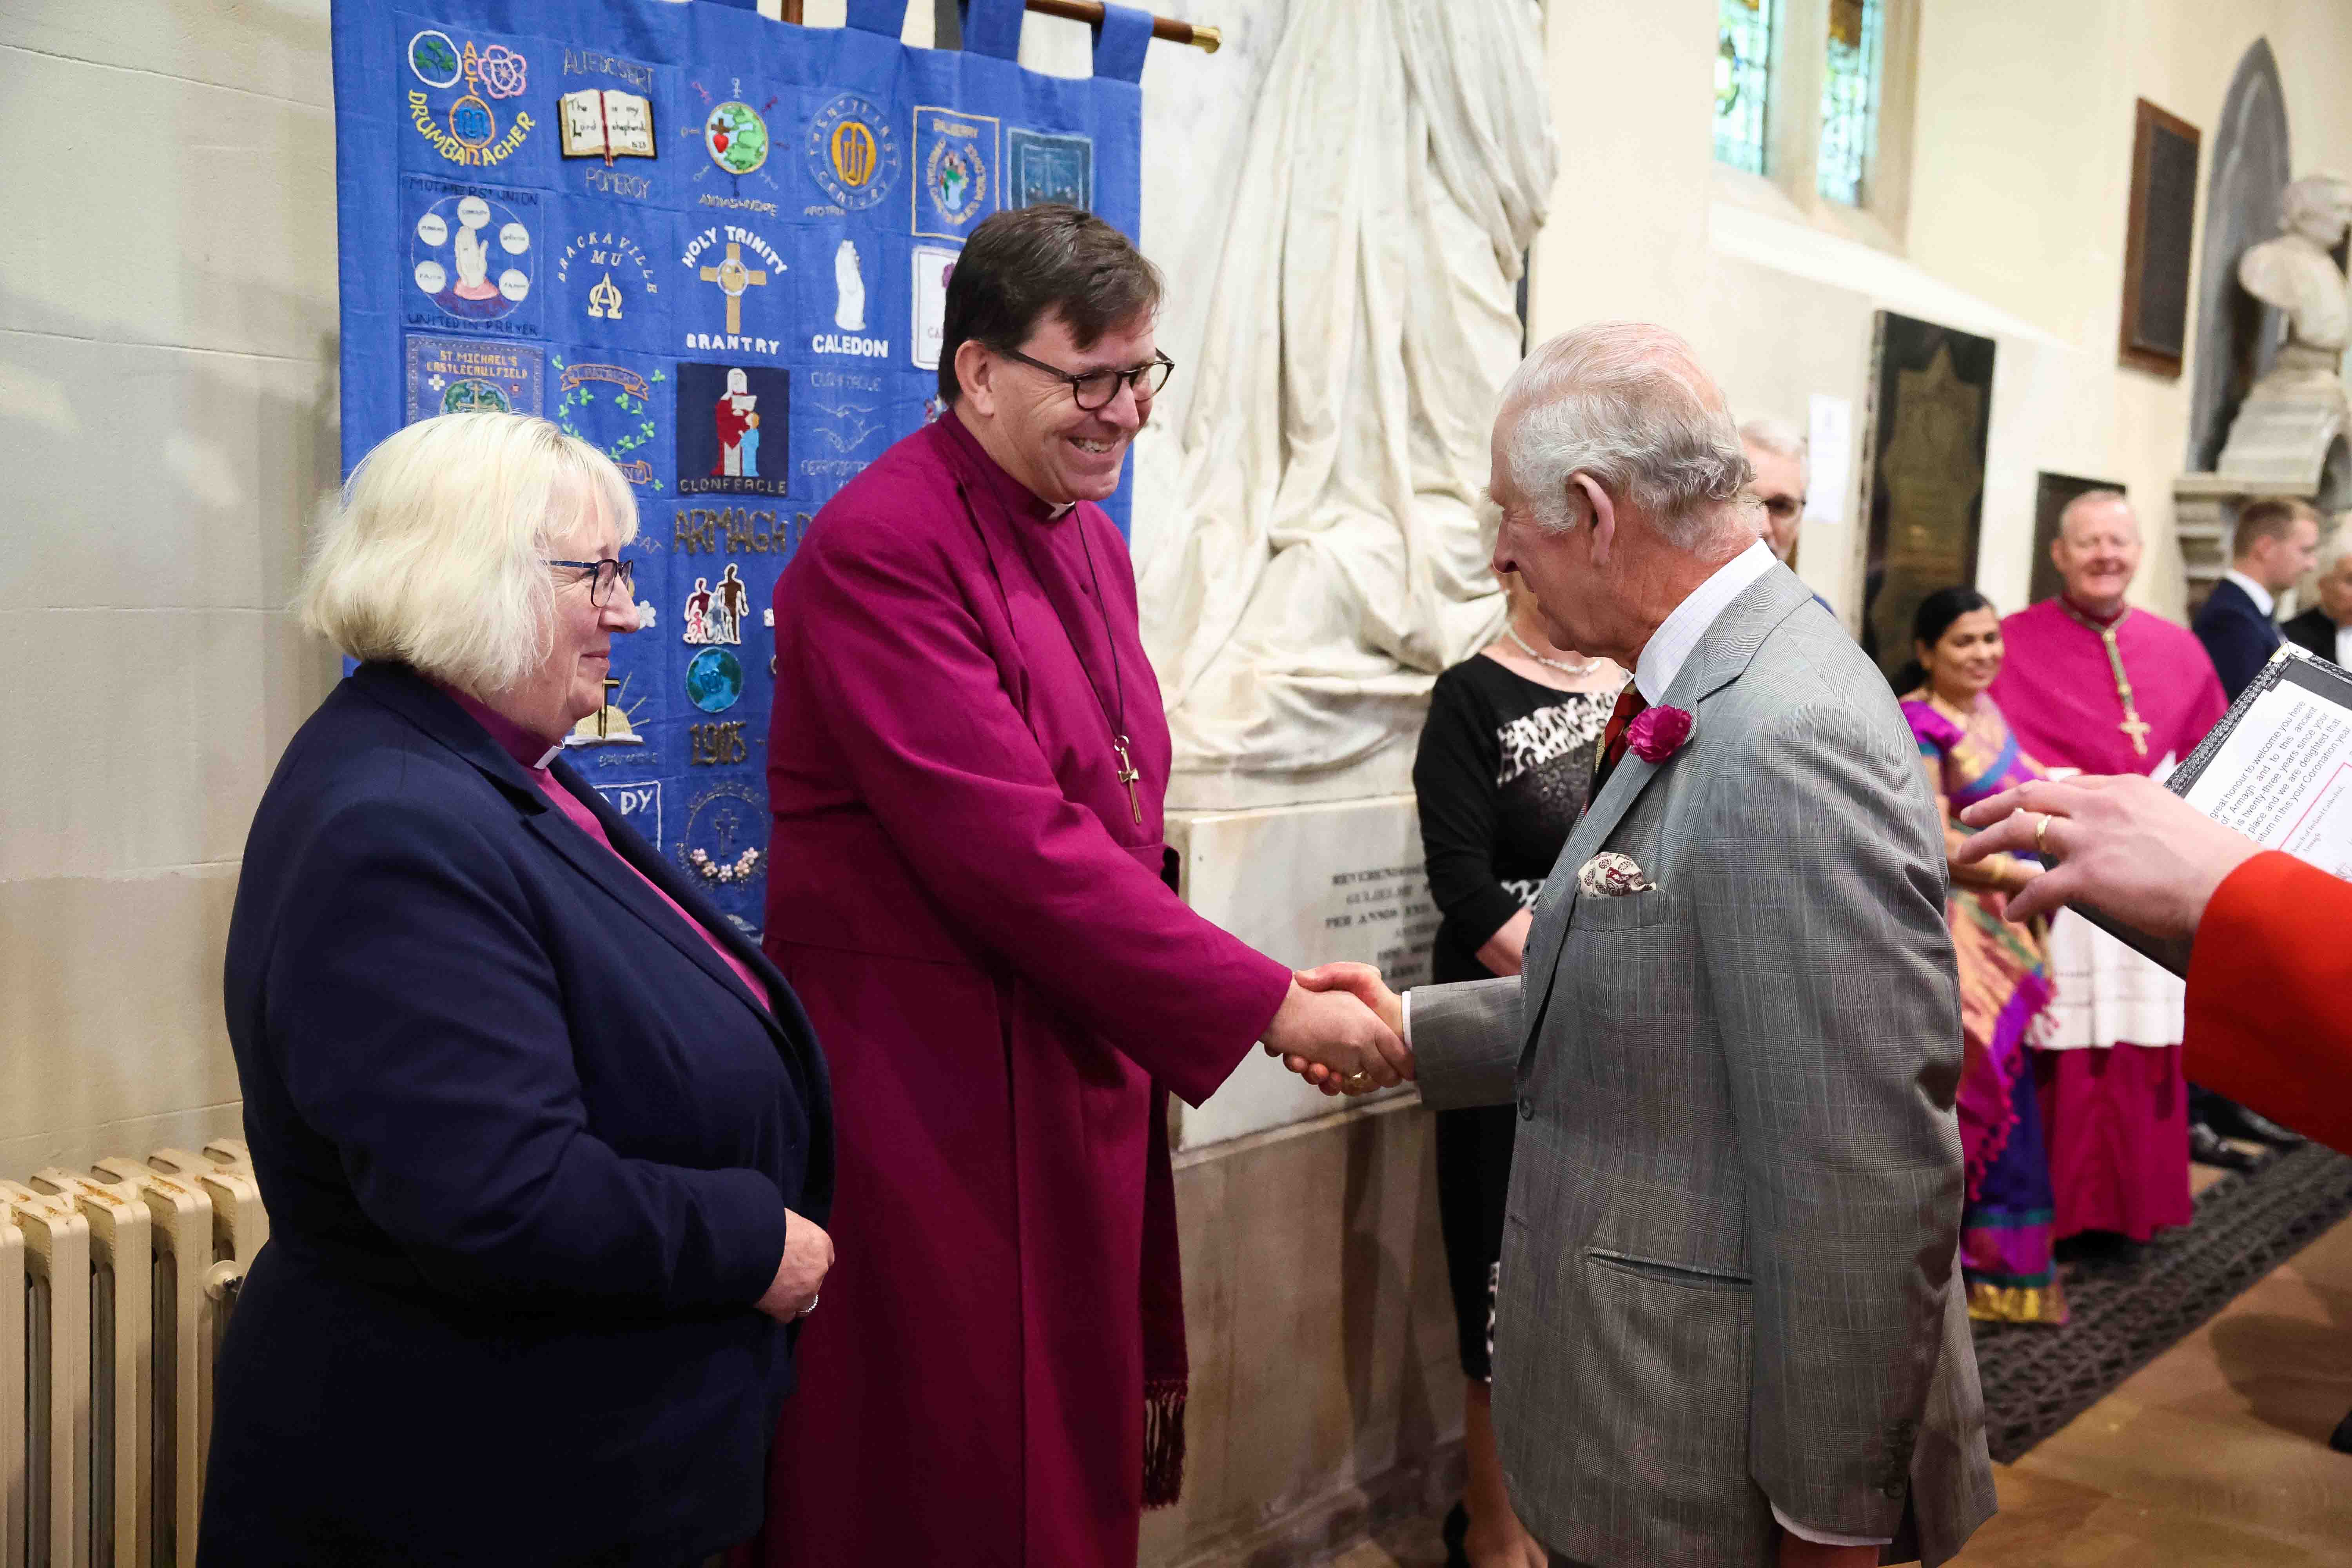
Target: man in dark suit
(2275, 540)
(2322, 628)
(2274, 543)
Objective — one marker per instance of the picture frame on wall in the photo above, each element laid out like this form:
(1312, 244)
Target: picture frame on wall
(1923, 460)
(2154, 329)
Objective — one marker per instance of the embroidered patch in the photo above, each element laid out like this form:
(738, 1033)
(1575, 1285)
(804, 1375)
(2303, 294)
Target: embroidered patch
(736, 299)
(639, 805)
(716, 745)
(714, 680)
(723, 842)
(452, 376)
(855, 328)
(852, 153)
(733, 429)
(957, 154)
(616, 409)
(714, 614)
(605, 122)
(612, 725)
(844, 428)
(460, 96)
(604, 278)
(732, 127)
(1050, 169)
(933, 263)
(727, 530)
(472, 250)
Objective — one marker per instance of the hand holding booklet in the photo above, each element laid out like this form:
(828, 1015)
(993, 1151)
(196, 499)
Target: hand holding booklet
(2278, 768)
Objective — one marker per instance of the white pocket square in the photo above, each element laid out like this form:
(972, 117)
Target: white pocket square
(1610, 875)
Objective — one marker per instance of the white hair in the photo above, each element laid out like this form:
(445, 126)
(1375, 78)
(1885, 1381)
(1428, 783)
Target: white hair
(433, 553)
(1777, 437)
(2096, 498)
(2336, 545)
(1626, 402)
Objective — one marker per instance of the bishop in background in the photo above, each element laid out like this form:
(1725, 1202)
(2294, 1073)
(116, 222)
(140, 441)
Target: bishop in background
(967, 886)
(1730, 1329)
(2092, 683)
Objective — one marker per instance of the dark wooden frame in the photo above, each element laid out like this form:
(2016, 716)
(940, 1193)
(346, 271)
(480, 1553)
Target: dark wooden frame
(2147, 122)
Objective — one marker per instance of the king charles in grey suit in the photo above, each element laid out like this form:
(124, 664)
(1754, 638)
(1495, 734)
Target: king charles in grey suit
(1730, 1327)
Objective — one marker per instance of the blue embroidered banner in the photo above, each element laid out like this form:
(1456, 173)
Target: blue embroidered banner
(718, 247)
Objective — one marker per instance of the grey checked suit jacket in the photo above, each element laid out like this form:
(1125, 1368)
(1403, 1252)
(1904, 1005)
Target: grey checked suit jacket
(1728, 1274)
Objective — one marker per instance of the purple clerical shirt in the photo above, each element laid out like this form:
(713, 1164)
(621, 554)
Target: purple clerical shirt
(534, 753)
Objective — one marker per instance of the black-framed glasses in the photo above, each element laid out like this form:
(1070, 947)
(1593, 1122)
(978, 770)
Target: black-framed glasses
(1095, 388)
(605, 574)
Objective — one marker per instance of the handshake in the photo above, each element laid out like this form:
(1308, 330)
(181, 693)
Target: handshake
(1341, 1029)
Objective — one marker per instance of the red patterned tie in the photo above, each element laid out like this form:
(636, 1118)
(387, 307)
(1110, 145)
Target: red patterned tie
(1630, 703)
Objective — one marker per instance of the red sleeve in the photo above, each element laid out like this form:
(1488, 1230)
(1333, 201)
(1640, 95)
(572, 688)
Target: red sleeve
(2268, 983)
(940, 756)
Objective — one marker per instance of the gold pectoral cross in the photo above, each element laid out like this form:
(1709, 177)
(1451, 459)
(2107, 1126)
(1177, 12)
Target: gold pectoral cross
(2133, 724)
(1128, 775)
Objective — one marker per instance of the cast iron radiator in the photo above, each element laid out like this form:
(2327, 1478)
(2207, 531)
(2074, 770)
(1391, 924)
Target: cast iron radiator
(115, 1284)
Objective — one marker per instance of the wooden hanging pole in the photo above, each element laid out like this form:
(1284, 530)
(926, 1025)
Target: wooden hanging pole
(1200, 35)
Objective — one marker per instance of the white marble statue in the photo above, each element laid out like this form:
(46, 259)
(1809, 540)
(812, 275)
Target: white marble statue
(2297, 274)
(1326, 559)
(2292, 428)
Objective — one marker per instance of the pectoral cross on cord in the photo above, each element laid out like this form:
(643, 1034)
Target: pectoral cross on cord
(2133, 724)
(1125, 771)
(2139, 728)
(1128, 775)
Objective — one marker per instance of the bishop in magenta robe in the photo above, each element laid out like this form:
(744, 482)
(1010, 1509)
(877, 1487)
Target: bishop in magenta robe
(969, 900)
(2113, 1098)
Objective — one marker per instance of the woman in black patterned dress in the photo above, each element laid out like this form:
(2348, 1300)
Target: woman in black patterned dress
(1504, 765)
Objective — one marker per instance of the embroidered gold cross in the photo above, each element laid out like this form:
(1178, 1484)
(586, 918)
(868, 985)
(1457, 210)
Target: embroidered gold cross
(732, 277)
(604, 710)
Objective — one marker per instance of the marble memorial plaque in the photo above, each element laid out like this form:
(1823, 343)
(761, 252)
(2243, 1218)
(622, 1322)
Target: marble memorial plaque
(1307, 885)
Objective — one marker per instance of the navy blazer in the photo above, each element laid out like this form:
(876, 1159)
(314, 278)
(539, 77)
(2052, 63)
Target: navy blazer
(2314, 631)
(2237, 636)
(527, 1146)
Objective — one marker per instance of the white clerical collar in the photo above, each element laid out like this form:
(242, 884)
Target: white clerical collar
(1670, 645)
(2253, 590)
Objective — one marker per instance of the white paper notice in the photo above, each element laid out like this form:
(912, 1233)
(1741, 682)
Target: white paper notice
(2284, 778)
(1830, 449)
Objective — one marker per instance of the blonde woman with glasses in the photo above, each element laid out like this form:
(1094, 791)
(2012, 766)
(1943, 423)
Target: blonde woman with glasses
(546, 1144)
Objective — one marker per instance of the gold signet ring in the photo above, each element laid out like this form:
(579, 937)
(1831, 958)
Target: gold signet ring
(2039, 829)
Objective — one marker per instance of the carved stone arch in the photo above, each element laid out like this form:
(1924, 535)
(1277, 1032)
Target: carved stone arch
(2237, 335)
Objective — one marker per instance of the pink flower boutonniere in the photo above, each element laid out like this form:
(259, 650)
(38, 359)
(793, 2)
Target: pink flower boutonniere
(1657, 734)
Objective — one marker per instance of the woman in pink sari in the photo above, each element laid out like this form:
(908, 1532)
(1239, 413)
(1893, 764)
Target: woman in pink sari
(2006, 1230)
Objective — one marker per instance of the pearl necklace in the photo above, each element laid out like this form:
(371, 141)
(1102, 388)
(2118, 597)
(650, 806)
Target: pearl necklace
(1573, 671)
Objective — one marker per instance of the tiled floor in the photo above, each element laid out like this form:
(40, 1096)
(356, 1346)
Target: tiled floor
(2213, 1455)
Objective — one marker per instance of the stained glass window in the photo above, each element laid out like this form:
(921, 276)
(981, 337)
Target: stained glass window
(1743, 81)
(1850, 93)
